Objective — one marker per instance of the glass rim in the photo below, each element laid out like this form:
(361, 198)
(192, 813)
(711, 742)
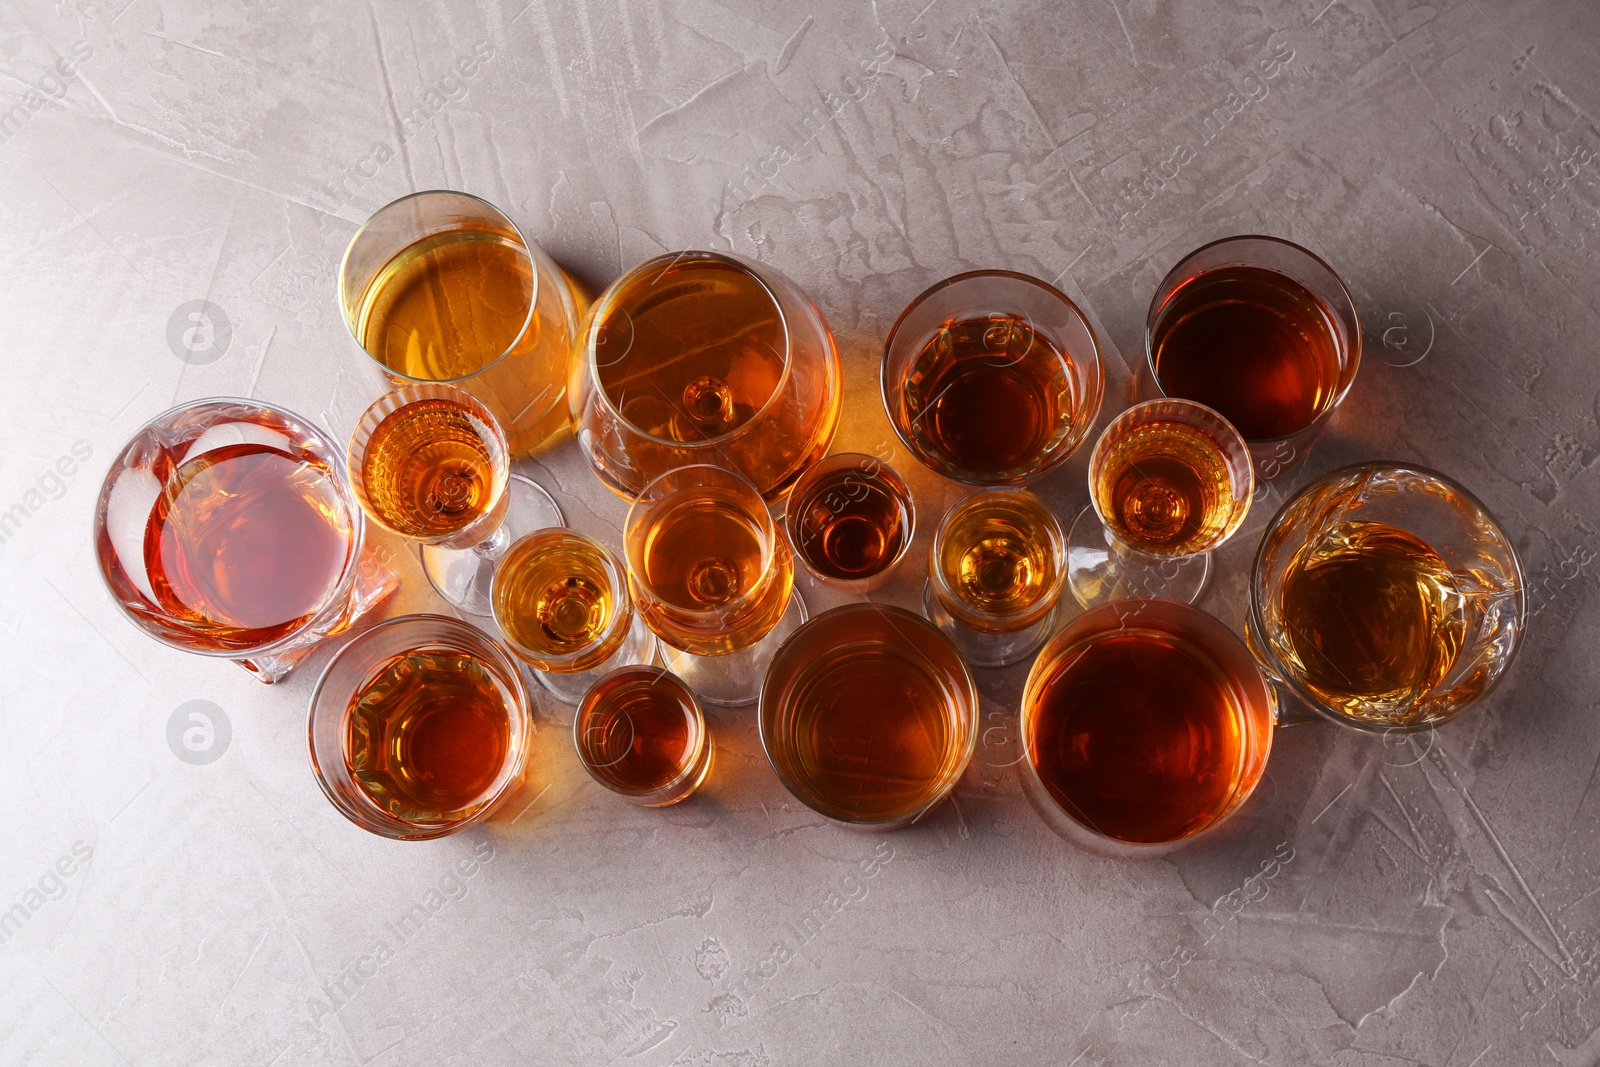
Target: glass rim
(527, 320)
(522, 708)
(898, 487)
(621, 617)
(602, 308)
(1206, 413)
(772, 551)
(347, 576)
(1089, 404)
(1369, 468)
(1025, 729)
(398, 400)
(1058, 545)
(1351, 358)
(700, 740)
(968, 691)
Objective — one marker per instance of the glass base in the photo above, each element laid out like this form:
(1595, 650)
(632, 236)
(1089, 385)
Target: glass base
(571, 687)
(982, 649)
(734, 680)
(373, 583)
(462, 575)
(1099, 569)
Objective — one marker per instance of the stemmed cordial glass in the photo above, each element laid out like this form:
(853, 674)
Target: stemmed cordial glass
(430, 463)
(1169, 481)
(562, 604)
(713, 576)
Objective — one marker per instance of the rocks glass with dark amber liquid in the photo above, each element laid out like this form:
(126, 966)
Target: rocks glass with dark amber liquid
(441, 287)
(1169, 481)
(1263, 332)
(1145, 723)
(432, 464)
(995, 575)
(562, 604)
(1386, 597)
(225, 527)
(992, 377)
(419, 727)
(713, 576)
(704, 358)
(641, 733)
(869, 716)
(850, 519)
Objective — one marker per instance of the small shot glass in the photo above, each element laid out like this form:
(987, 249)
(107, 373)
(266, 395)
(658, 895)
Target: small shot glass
(995, 575)
(851, 519)
(642, 734)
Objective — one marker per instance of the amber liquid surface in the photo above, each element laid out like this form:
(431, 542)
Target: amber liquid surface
(1251, 343)
(1372, 619)
(1165, 488)
(554, 598)
(692, 352)
(448, 305)
(246, 543)
(1139, 735)
(428, 736)
(1001, 558)
(639, 736)
(429, 469)
(703, 553)
(851, 525)
(872, 731)
(988, 397)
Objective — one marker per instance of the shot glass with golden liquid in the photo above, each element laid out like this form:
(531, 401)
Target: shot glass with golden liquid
(1385, 597)
(225, 527)
(992, 377)
(713, 576)
(869, 716)
(431, 463)
(703, 357)
(641, 733)
(441, 287)
(1262, 331)
(1169, 481)
(562, 604)
(850, 520)
(995, 574)
(420, 726)
(1145, 723)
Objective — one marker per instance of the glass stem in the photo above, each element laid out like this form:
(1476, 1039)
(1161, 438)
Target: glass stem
(492, 546)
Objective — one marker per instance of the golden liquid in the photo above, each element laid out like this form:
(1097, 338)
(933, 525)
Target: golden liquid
(999, 556)
(1371, 619)
(988, 397)
(448, 305)
(705, 586)
(850, 525)
(429, 469)
(428, 736)
(556, 603)
(690, 352)
(1165, 488)
(639, 730)
(1251, 343)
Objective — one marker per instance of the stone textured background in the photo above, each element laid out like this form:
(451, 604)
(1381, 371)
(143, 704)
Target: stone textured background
(1373, 905)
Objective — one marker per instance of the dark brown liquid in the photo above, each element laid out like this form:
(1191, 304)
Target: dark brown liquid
(987, 397)
(850, 525)
(1253, 344)
(638, 732)
(246, 543)
(1138, 735)
(428, 735)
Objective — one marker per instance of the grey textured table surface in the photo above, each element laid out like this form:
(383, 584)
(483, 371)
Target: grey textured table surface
(1372, 905)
